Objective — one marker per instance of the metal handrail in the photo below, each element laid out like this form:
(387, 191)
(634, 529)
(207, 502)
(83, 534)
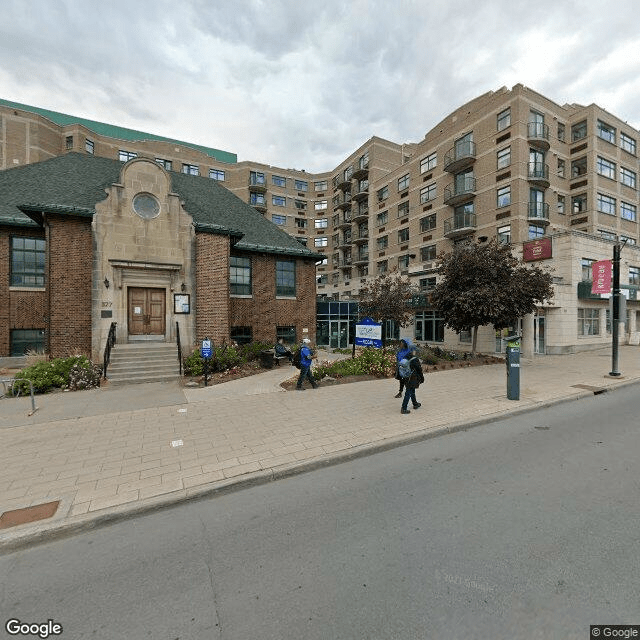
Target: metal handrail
(111, 340)
(179, 346)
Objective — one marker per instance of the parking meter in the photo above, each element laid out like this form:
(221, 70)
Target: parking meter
(513, 367)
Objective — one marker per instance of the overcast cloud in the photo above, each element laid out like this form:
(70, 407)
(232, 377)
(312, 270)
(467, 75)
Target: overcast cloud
(302, 84)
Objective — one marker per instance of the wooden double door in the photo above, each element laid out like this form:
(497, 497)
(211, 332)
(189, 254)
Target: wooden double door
(146, 311)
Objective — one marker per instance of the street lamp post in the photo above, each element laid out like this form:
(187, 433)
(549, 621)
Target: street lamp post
(615, 315)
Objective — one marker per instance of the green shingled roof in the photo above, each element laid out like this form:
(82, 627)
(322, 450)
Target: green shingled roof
(75, 182)
(121, 133)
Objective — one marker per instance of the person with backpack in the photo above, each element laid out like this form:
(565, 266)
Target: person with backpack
(413, 380)
(405, 347)
(305, 357)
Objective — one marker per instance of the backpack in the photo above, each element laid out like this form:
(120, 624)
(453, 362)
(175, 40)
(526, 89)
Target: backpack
(404, 370)
(297, 357)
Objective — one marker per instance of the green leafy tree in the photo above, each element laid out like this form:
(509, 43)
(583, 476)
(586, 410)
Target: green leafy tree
(387, 297)
(487, 284)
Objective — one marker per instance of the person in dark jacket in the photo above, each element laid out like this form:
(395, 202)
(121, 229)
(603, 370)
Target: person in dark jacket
(281, 351)
(403, 352)
(306, 356)
(413, 381)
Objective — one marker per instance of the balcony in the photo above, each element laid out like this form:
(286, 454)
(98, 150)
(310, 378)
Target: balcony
(538, 134)
(361, 172)
(538, 173)
(362, 190)
(342, 202)
(361, 258)
(344, 242)
(460, 191)
(462, 155)
(460, 225)
(346, 263)
(361, 236)
(361, 212)
(344, 221)
(257, 185)
(259, 206)
(538, 212)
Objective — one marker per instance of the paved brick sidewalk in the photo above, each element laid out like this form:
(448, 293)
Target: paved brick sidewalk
(103, 459)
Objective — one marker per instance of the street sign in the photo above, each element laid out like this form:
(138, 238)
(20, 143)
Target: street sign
(368, 333)
(205, 350)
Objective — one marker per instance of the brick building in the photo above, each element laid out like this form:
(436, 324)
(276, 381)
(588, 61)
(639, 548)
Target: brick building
(86, 241)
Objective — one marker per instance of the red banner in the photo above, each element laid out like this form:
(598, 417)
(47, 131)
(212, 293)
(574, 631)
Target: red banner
(537, 250)
(601, 271)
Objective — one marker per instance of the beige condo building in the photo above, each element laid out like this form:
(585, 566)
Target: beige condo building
(510, 164)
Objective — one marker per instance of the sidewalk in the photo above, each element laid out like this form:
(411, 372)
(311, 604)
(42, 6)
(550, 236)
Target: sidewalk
(114, 452)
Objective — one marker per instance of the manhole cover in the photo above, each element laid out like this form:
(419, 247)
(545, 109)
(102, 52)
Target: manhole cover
(28, 514)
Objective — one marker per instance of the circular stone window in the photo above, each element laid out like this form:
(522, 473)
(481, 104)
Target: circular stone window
(146, 206)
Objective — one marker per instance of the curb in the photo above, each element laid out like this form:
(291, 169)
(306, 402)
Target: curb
(42, 533)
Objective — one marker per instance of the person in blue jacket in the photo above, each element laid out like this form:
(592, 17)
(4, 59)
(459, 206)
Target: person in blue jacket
(306, 354)
(403, 352)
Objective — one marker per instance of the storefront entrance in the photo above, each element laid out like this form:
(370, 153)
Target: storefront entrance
(539, 332)
(146, 312)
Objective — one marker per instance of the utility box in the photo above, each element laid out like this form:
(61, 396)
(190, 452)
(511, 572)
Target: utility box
(513, 367)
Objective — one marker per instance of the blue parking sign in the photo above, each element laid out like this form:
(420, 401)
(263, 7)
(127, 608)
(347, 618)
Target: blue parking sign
(205, 350)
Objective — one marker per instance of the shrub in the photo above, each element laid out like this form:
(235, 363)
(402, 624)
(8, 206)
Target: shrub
(374, 362)
(223, 358)
(57, 373)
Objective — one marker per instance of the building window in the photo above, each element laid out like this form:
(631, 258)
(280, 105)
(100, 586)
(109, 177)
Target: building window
(588, 322)
(503, 196)
(579, 167)
(165, 164)
(627, 211)
(606, 168)
(241, 335)
(279, 181)
(321, 223)
(190, 169)
(278, 201)
(606, 204)
(382, 267)
(301, 204)
(585, 265)
(536, 231)
(301, 223)
(240, 276)
(363, 162)
(429, 163)
(24, 341)
(88, 146)
(403, 235)
(403, 182)
(429, 327)
(606, 132)
(320, 186)
(428, 193)
(628, 177)
(382, 218)
(561, 130)
(383, 193)
(216, 174)
(428, 223)
(27, 262)
(301, 185)
(561, 168)
(579, 203)
(285, 278)
(428, 252)
(125, 156)
(68, 143)
(257, 199)
(320, 205)
(382, 243)
(561, 204)
(277, 219)
(427, 284)
(321, 242)
(286, 334)
(504, 158)
(579, 131)
(627, 143)
(504, 234)
(634, 275)
(256, 178)
(504, 119)
(403, 262)
(403, 209)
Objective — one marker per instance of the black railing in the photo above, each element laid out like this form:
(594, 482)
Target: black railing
(111, 340)
(179, 346)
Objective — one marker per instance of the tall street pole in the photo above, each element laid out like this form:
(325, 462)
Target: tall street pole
(615, 320)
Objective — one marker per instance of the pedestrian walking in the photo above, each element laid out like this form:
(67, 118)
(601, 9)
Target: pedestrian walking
(403, 352)
(306, 356)
(415, 379)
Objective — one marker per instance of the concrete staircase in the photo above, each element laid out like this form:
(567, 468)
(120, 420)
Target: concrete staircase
(143, 362)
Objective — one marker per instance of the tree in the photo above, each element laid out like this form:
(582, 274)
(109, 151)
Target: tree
(487, 284)
(387, 297)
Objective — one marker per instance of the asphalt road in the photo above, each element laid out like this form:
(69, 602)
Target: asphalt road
(524, 528)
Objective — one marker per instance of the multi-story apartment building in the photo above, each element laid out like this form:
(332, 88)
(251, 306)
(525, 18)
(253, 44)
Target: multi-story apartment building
(510, 164)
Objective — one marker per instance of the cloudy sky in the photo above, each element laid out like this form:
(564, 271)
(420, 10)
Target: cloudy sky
(302, 84)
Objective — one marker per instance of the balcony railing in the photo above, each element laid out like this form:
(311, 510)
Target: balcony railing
(461, 224)
(462, 155)
(539, 173)
(538, 133)
(459, 191)
(539, 212)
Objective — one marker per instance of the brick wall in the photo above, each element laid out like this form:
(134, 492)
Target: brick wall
(264, 312)
(18, 309)
(70, 254)
(211, 304)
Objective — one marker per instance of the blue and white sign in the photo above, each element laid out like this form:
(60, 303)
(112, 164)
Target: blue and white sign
(205, 350)
(368, 333)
